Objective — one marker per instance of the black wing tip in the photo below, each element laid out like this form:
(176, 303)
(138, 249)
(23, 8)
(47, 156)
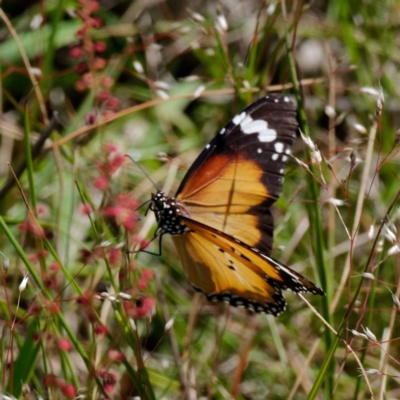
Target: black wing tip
(280, 100)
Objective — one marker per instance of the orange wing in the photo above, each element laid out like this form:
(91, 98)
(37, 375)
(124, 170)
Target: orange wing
(225, 269)
(238, 176)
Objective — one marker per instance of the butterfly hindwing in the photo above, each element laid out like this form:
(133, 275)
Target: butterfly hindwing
(226, 269)
(238, 176)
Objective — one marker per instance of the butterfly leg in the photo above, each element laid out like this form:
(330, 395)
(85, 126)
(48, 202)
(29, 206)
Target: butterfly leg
(142, 249)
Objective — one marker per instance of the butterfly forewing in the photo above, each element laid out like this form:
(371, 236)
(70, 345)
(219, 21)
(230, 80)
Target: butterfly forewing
(239, 174)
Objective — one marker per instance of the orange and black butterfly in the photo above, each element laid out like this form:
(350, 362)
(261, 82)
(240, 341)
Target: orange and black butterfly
(220, 217)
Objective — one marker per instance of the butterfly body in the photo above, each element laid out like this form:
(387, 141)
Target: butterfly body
(220, 218)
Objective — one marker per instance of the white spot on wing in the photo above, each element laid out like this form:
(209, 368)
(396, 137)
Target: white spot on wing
(208, 146)
(253, 126)
(275, 156)
(239, 118)
(284, 158)
(259, 151)
(279, 147)
(286, 99)
(249, 126)
(222, 131)
(267, 135)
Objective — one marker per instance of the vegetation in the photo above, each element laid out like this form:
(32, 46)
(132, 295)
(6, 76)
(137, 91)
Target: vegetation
(85, 82)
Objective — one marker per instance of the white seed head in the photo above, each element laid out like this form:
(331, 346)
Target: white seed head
(271, 8)
(6, 264)
(360, 128)
(371, 232)
(162, 85)
(368, 275)
(369, 334)
(197, 17)
(169, 324)
(133, 325)
(199, 91)
(303, 165)
(390, 235)
(36, 21)
(396, 300)
(124, 296)
(162, 94)
(316, 157)
(22, 285)
(358, 334)
(308, 142)
(336, 202)
(138, 67)
(191, 78)
(372, 371)
(369, 90)
(394, 250)
(330, 111)
(221, 23)
(36, 71)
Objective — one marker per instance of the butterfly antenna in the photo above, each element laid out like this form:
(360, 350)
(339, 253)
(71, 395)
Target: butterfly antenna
(144, 172)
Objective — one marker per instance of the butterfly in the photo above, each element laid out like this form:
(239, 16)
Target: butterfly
(220, 218)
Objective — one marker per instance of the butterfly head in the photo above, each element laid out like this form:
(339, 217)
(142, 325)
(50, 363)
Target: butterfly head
(168, 213)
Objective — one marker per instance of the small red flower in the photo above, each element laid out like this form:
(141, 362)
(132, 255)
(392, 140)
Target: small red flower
(95, 22)
(53, 308)
(123, 211)
(90, 118)
(81, 32)
(86, 298)
(108, 114)
(109, 147)
(81, 68)
(107, 81)
(31, 225)
(115, 257)
(144, 307)
(101, 183)
(100, 46)
(147, 274)
(76, 52)
(116, 355)
(80, 85)
(103, 96)
(113, 103)
(54, 266)
(99, 63)
(117, 161)
(43, 210)
(93, 5)
(64, 345)
(85, 208)
(50, 282)
(142, 283)
(100, 330)
(109, 388)
(68, 390)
